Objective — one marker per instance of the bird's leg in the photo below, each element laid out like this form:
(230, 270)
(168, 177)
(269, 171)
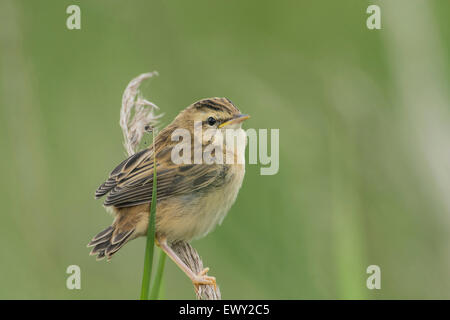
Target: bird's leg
(197, 279)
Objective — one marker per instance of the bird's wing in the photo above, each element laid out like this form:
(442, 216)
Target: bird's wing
(131, 182)
(124, 170)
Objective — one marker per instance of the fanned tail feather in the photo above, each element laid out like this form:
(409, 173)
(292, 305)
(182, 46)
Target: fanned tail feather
(107, 242)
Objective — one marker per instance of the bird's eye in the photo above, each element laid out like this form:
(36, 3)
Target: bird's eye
(211, 121)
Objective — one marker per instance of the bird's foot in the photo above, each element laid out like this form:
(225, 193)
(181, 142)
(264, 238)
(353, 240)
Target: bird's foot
(203, 278)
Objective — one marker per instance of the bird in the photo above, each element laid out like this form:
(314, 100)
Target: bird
(192, 197)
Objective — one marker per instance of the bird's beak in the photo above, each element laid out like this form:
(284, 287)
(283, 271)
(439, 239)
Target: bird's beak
(237, 119)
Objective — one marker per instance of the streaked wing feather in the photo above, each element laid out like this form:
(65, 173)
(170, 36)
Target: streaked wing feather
(170, 182)
(131, 182)
(124, 169)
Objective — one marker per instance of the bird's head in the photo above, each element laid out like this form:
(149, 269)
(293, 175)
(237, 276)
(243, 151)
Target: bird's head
(214, 116)
(213, 113)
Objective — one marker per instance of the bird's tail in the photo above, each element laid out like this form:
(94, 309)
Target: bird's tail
(109, 241)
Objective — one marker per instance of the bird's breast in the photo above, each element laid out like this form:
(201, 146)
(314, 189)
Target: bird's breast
(198, 213)
(216, 203)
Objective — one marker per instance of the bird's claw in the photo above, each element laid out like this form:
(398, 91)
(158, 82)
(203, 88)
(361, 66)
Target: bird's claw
(202, 279)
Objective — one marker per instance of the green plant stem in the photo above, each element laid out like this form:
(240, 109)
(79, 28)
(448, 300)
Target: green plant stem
(150, 244)
(158, 276)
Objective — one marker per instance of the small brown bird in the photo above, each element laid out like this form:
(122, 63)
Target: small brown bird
(192, 198)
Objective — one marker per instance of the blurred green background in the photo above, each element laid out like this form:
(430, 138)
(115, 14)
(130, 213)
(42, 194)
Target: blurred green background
(364, 142)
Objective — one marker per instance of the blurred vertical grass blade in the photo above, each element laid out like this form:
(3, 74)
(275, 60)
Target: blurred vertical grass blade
(347, 225)
(154, 294)
(150, 245)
